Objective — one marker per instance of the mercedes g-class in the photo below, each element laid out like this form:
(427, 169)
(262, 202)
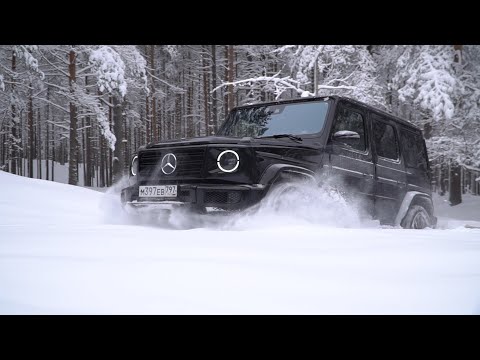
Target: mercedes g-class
(377, 156)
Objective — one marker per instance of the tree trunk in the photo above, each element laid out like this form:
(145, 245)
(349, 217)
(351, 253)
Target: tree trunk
(189, 124)
(88, 153)
(170, 127)
(164, 117)
(214, 85)
(184, 104)
(53, 151)
(135, 141)
(225, 93)
(455, 195)
(231, 76)
(458, 54)
(22, 145)
(88, 145)
(118, 153)
(178, 116)
(205, 90)
(15, 151)
(147, 120)
(153, 116)
(47, 143)
(109, 165)
(39, 146)
(30, 132)
(443, 179)
(3, 148)
(154, 120)
(47, 153)
(73, 151)
(263, 94)
(102, 162)
(84, 150)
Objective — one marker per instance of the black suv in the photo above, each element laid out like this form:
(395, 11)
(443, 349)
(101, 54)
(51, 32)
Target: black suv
(377, 157)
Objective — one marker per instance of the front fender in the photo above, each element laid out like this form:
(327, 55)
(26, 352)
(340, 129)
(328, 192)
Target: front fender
(276, 172)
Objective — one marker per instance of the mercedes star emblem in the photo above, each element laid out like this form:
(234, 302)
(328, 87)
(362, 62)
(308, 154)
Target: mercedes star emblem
(169, 164)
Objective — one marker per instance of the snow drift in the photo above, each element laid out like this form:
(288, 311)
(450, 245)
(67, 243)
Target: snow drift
(63, 251)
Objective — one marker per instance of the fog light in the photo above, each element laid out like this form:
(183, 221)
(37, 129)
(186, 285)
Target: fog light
(228, 161)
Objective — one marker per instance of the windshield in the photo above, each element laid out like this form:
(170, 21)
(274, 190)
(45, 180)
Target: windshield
(269, 120)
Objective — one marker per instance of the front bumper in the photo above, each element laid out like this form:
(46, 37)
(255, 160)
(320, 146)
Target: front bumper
(224, 196)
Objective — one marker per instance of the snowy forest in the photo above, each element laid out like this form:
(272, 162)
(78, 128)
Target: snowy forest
(87, 108)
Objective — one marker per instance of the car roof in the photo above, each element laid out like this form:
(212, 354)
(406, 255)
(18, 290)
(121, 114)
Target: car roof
(336, 97)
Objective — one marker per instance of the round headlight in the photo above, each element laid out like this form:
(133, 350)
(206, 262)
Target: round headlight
(134, 165)
(228, 161)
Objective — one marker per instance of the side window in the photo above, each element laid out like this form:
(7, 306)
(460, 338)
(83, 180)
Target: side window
(385, 140)
(349, 120)
(413, 150)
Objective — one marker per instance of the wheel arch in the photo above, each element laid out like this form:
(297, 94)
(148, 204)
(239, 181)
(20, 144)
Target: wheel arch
(415, 198)
(284, 172)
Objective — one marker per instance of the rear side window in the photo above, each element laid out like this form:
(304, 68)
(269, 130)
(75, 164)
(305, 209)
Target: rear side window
(350, 120)
(385, 140)
(413, 149)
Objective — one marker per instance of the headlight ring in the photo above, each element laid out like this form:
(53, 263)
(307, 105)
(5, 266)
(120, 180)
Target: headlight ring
(225, 163)
(134, 166)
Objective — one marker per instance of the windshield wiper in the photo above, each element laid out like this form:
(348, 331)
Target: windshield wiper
(290, 136)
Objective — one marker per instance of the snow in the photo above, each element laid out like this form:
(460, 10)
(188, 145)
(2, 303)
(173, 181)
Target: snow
(69, 250)
(60, 172)
(135, 64)
(468, 212)
(93, 104)
(347, 70)
(347, 133)
(430, 80)
(110, 70)
(26, 51)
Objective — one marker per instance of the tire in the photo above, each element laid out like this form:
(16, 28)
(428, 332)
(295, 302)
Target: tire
(417, 218)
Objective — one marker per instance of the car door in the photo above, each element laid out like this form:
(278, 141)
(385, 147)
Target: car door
(350, 162)
(390, 176)
(415, 157)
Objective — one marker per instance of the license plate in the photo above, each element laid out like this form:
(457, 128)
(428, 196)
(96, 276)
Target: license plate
(158, 191)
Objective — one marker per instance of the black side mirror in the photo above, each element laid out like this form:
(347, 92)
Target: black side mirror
(347, 137)
(346, 134)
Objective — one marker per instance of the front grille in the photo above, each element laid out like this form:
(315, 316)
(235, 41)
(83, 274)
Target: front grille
(189, 162)
(223, 197)
(184, 193)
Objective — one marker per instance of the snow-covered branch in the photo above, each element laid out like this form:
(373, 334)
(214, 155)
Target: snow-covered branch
(109, 69)
(280, 84)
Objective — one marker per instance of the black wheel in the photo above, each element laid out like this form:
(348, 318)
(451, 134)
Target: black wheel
(417, 218)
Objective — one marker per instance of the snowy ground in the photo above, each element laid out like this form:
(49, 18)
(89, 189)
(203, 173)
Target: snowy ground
(467, 213)
(60, 172)
(69, 250)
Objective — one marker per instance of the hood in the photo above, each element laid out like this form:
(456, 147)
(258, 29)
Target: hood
(227, 140)
(204, 140)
